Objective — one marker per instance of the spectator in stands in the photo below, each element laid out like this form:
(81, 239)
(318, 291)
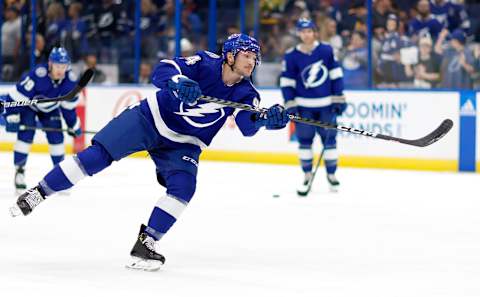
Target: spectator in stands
(457, 60)
(381, 10)
(144, 73)
(151, 26)
(297, 9)
(427, 70)
(476, 75)
(451, 15)
(355, 62)
(55, 23)
(191, 22)
(98, 75)
(11, 33)
(328, 34)
(22, 64)
(392, 71)
(424, 24)
(73, 35)
(111, 22)
(270, 43)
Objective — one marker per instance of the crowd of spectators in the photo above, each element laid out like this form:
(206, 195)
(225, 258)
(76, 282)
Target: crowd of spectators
(96, 33)
(415, 43)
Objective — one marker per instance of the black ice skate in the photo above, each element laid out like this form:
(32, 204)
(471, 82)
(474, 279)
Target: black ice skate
(144, 256)
(333, 181)
(305, 187)
(27, 202)
(20, 184)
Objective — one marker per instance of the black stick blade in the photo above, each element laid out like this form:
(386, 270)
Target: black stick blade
(427, 140)
(436, 134)
(86, 76)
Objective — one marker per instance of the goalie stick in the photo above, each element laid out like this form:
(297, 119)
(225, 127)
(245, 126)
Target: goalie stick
(427, 140)
(23, 127)
(84, 79)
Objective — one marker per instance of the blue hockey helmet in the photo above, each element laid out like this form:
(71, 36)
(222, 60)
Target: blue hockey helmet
(59, 55)
(305, 23)
(241, 42)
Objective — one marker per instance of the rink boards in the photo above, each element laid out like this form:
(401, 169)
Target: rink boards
(406, 114)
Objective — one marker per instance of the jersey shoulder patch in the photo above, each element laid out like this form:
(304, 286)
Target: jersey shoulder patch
(212, 55)
(41, 71)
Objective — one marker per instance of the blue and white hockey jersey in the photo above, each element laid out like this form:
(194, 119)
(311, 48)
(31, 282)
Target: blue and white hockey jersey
(425, 27)
(197, 124)
(451, 15)
(37, 82)
(311, 80)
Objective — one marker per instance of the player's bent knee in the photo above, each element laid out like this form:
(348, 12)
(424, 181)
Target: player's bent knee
(305, 143)
(182, 185)
(94, 159)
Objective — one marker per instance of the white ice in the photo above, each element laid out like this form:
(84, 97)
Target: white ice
(385, 234)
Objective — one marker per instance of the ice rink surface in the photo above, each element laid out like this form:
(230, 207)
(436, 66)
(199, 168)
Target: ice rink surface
(385, 234)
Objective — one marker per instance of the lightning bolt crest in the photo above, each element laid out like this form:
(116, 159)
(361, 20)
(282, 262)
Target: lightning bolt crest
(200, 110)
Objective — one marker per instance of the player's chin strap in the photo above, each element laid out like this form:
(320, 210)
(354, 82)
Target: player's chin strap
(432, 137)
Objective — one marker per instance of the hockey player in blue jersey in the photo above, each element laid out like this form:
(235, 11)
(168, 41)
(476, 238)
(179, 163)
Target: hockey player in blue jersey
(312, 86)
(174, 127)
(45, 80)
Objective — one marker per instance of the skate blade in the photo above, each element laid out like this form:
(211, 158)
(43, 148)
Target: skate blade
(302, 193)
(143, 264)
(15, 211)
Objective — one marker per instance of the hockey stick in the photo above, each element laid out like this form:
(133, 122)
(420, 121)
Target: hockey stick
(314, 173)
(427, 140)
(84, 79)
(310, 182)
(23, 128)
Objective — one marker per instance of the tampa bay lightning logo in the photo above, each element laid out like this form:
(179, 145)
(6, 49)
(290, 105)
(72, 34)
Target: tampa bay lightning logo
(314, 75)
(201, 115)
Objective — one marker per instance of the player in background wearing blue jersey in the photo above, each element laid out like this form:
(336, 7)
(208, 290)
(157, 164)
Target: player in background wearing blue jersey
(174, 127)
(312, 86)
(46, 80)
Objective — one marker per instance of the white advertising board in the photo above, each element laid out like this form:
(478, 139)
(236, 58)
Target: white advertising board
(407, 114)
(397, 113)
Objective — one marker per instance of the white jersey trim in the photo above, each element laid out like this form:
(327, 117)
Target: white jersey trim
(70, 104)
(16, 95)
(235, 113)
(313, 102)
(45, 107)
(171, 205)
(287, 82)
(72, 171)
(22, 147)
(335, 73)
(56, 149)
(305, 154)
(166, 132)
(171, 62)
(330, 154)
